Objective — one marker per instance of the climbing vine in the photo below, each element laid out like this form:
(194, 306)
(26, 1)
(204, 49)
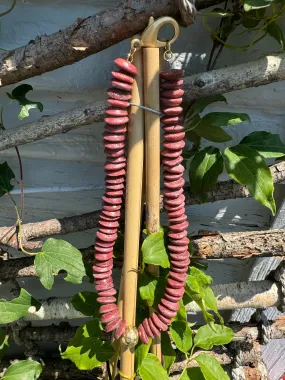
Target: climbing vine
(244, 163)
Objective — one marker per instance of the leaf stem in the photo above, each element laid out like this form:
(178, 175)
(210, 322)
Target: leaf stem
(21, 232)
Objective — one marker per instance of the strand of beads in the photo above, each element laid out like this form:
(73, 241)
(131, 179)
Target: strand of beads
(174, 203)
(114, 139)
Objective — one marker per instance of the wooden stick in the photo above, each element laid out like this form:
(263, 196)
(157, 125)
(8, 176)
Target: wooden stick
(133, 216)
(152, 152)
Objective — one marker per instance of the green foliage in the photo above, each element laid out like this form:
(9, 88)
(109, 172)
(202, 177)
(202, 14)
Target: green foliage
(24, 370)
(267, 144)
(207, 337)
(86, 350)
(19, 93)
(204, 170)
(211, 368)
(151, 288)
(256, 4)
(192, 374)
(86, 303)
(10, 311)
(167, 350)
(6, 175)
(247, 167)
(151, 369)
(154, 251)
(57, 255)
(181, 335)
(141, 352)
(274, 31)
(212, 133)
(200, 104)
(4, 343)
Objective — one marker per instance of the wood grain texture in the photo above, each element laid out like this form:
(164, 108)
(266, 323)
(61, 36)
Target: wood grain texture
(85, 37)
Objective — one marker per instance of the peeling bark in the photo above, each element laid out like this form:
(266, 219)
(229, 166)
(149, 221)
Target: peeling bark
(240, 244)
(85, 37)
(268, 69)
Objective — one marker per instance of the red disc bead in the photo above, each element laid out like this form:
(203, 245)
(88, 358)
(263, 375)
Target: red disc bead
(175, 184)
(180, 270)
(115, 128)
(147, 328)
(102, 276)
(117, 94)
(171, 84)
(125, 65)
(142, 334)
(113, 111)
(108, 308)
(168, 162)
(119, 75)
(153, 328)
(172, 111)
(171, 177)
(173, 128)
(175, 292)
(109, 317)
(117, 120)
(112, 166)
(173, 74)
(113, 325)
(174, 136)
(158, 323)
(166, 312)
(121, 85)
(120, 329)
(114, 152)
(173, 306)
(171, 153)
(179, 227)
(171, 102)
(174, 169)
(171, 120)
(170, 93)
(118, 103)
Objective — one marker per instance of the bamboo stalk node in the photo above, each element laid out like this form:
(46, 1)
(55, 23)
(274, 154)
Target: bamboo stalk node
(131, 337)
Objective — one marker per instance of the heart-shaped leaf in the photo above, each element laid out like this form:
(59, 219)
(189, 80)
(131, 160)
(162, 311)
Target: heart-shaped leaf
(151, 369)
(211, 368)
(151, 288)
(154, 251)
(224, 119)
(86, 303)
(23, 370)
(181, 335)
(267, 144)
(167, 350)
(6, 175)
(19, 93)
(205, 168)
(246, 166)
(207, 337)
(212, 133)
(274, 31)
(57, 255)
(192, 374)
(19, 307)
(87, 350)
(141, 352)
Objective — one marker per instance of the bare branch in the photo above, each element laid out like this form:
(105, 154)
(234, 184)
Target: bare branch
(268, 69)
(85, 37)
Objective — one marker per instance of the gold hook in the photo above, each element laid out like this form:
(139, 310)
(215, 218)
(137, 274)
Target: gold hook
(149, 37)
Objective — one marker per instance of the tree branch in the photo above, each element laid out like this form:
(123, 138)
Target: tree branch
(223, 191)
(268, 69)
(85, 37)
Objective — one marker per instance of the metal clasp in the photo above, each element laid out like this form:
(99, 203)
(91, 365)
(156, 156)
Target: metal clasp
(149, 37)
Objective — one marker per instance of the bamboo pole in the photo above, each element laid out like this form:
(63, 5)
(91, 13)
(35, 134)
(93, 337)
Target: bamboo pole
(133, 216)
(152, 152)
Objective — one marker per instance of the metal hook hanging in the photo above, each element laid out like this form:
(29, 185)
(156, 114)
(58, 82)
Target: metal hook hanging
(149, 37)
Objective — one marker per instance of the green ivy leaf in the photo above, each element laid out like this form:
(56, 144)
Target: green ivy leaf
(141, 352)
(211, 303)
(256, 4)
(167, 350)
(151, 369)
(181, 335)
(267, 144)
(211, 368)
(17, 308)
(154, 251)
(6, 175)
(86, 350)
(57, 255)
(274, 31)
(202, 278)
(205, 168)
(200, 104)
(212, 133)
(86, 303)
(207, 337)
(19, 94)
(151, 288)
(24, 370)
(224, 119)
(192, 374)
(252, 18)
(246, 166)
(4, 343)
